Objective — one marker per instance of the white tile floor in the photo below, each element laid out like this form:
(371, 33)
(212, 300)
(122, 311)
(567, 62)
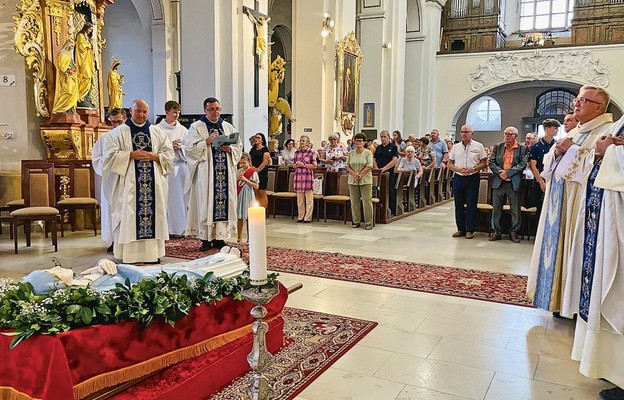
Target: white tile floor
(426, 346)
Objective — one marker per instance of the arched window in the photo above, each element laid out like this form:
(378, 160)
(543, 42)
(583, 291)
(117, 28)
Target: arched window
(545, 14)
(484, 114)
(554, 102)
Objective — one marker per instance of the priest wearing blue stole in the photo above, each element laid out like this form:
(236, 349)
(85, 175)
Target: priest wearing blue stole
(137, 158)
(212, 186)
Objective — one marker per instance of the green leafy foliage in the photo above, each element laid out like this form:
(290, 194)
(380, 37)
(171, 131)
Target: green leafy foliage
(167, 297)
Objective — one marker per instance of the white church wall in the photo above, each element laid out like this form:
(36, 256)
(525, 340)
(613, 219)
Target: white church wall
(17, 110)
(598, 65)
(128, 32)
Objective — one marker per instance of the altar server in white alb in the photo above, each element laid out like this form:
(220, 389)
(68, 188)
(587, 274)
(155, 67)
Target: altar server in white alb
(176, 200)
(599, 334)
(212, 202)
(137, 158)
(116, 117)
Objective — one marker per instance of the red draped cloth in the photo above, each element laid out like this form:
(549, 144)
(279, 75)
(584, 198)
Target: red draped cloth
(83, 361)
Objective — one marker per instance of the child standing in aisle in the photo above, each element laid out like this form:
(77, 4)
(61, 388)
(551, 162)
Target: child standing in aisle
(247, 181)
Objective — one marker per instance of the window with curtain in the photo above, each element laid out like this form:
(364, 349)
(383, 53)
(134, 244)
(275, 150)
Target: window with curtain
(545, 14)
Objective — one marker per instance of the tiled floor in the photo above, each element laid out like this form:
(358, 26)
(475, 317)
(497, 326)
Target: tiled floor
(426, 346)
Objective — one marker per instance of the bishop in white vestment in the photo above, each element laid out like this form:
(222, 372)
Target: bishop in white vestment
(212, 184)
(176, 199)
(137, 158)
(553, 284)
(599, 334)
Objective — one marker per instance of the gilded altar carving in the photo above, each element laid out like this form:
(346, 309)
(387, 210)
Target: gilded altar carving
(42, 30)
(62, 143)
(348, 65)
(563, 65)
(29, 42)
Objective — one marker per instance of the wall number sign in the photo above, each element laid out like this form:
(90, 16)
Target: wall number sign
(7, 80)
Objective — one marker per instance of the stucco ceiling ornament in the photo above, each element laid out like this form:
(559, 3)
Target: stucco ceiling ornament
(510, 67)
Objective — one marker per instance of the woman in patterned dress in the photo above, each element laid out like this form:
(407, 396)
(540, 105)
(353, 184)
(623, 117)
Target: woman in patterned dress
(335, 155)
(304, 164)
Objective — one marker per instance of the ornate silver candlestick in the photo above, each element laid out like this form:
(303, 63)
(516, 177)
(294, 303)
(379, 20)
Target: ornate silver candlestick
(260, 358)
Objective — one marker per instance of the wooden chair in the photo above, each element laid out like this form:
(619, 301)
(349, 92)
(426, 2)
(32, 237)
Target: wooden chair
(318, 198)
(528, 213)
(342, 198)
(39, 198)
(376, 200)
(484, 203)
(290, 195)
(81, 194)
(272, 181)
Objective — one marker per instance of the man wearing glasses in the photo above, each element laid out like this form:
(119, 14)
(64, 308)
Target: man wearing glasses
(507, 162)
(467, 158)
(212, 198)
(555, 272)
(116, 117)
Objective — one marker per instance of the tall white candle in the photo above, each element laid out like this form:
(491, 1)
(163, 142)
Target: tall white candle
(257, 245)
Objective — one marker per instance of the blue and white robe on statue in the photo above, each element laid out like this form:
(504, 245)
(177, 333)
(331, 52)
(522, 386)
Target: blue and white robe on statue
(176, 199)
(599, 333)
(212, 194)
(138, 203)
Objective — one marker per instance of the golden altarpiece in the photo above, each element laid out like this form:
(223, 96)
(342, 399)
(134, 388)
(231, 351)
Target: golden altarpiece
(62, 43)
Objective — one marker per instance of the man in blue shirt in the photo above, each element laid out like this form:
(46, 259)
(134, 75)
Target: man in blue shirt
(440, 148)
(536, 161)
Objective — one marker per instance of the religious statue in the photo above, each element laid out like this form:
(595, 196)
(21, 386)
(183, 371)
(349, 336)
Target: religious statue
(85, 63)
(277, 105)
(66, 88)
(115, 82)
(260, 23)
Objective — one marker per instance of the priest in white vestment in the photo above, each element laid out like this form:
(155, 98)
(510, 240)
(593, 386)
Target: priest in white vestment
(176, 199)
(212, 184)
(553, 284)
(599, 334)
(137, 158)
(116, 117)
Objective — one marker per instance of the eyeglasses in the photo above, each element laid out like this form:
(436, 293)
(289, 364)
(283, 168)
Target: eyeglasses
(214, 109)
(509, 134)
(358, 140)
(465, 131)
(584, 100)
(333, 138)
(114, 122)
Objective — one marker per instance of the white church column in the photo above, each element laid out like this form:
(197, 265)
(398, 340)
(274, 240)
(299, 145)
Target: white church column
(162, 61)
(382, 39)
(217, 59)
(309, 98)
(420, 75)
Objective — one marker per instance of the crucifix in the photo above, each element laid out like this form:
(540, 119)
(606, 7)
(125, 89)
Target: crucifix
(260, 22)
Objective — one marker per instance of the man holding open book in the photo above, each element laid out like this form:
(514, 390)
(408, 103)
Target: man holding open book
(212, 165)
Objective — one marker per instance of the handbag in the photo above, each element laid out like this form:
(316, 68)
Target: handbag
(317, 185)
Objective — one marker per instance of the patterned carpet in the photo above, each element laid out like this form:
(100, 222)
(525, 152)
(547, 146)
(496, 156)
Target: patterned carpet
(313, 342)
(460, 282)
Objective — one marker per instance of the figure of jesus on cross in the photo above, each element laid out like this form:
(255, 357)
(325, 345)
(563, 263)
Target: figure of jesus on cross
(260, 22)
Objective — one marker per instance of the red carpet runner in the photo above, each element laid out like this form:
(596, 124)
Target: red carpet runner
(314, 341)
(469, 283)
